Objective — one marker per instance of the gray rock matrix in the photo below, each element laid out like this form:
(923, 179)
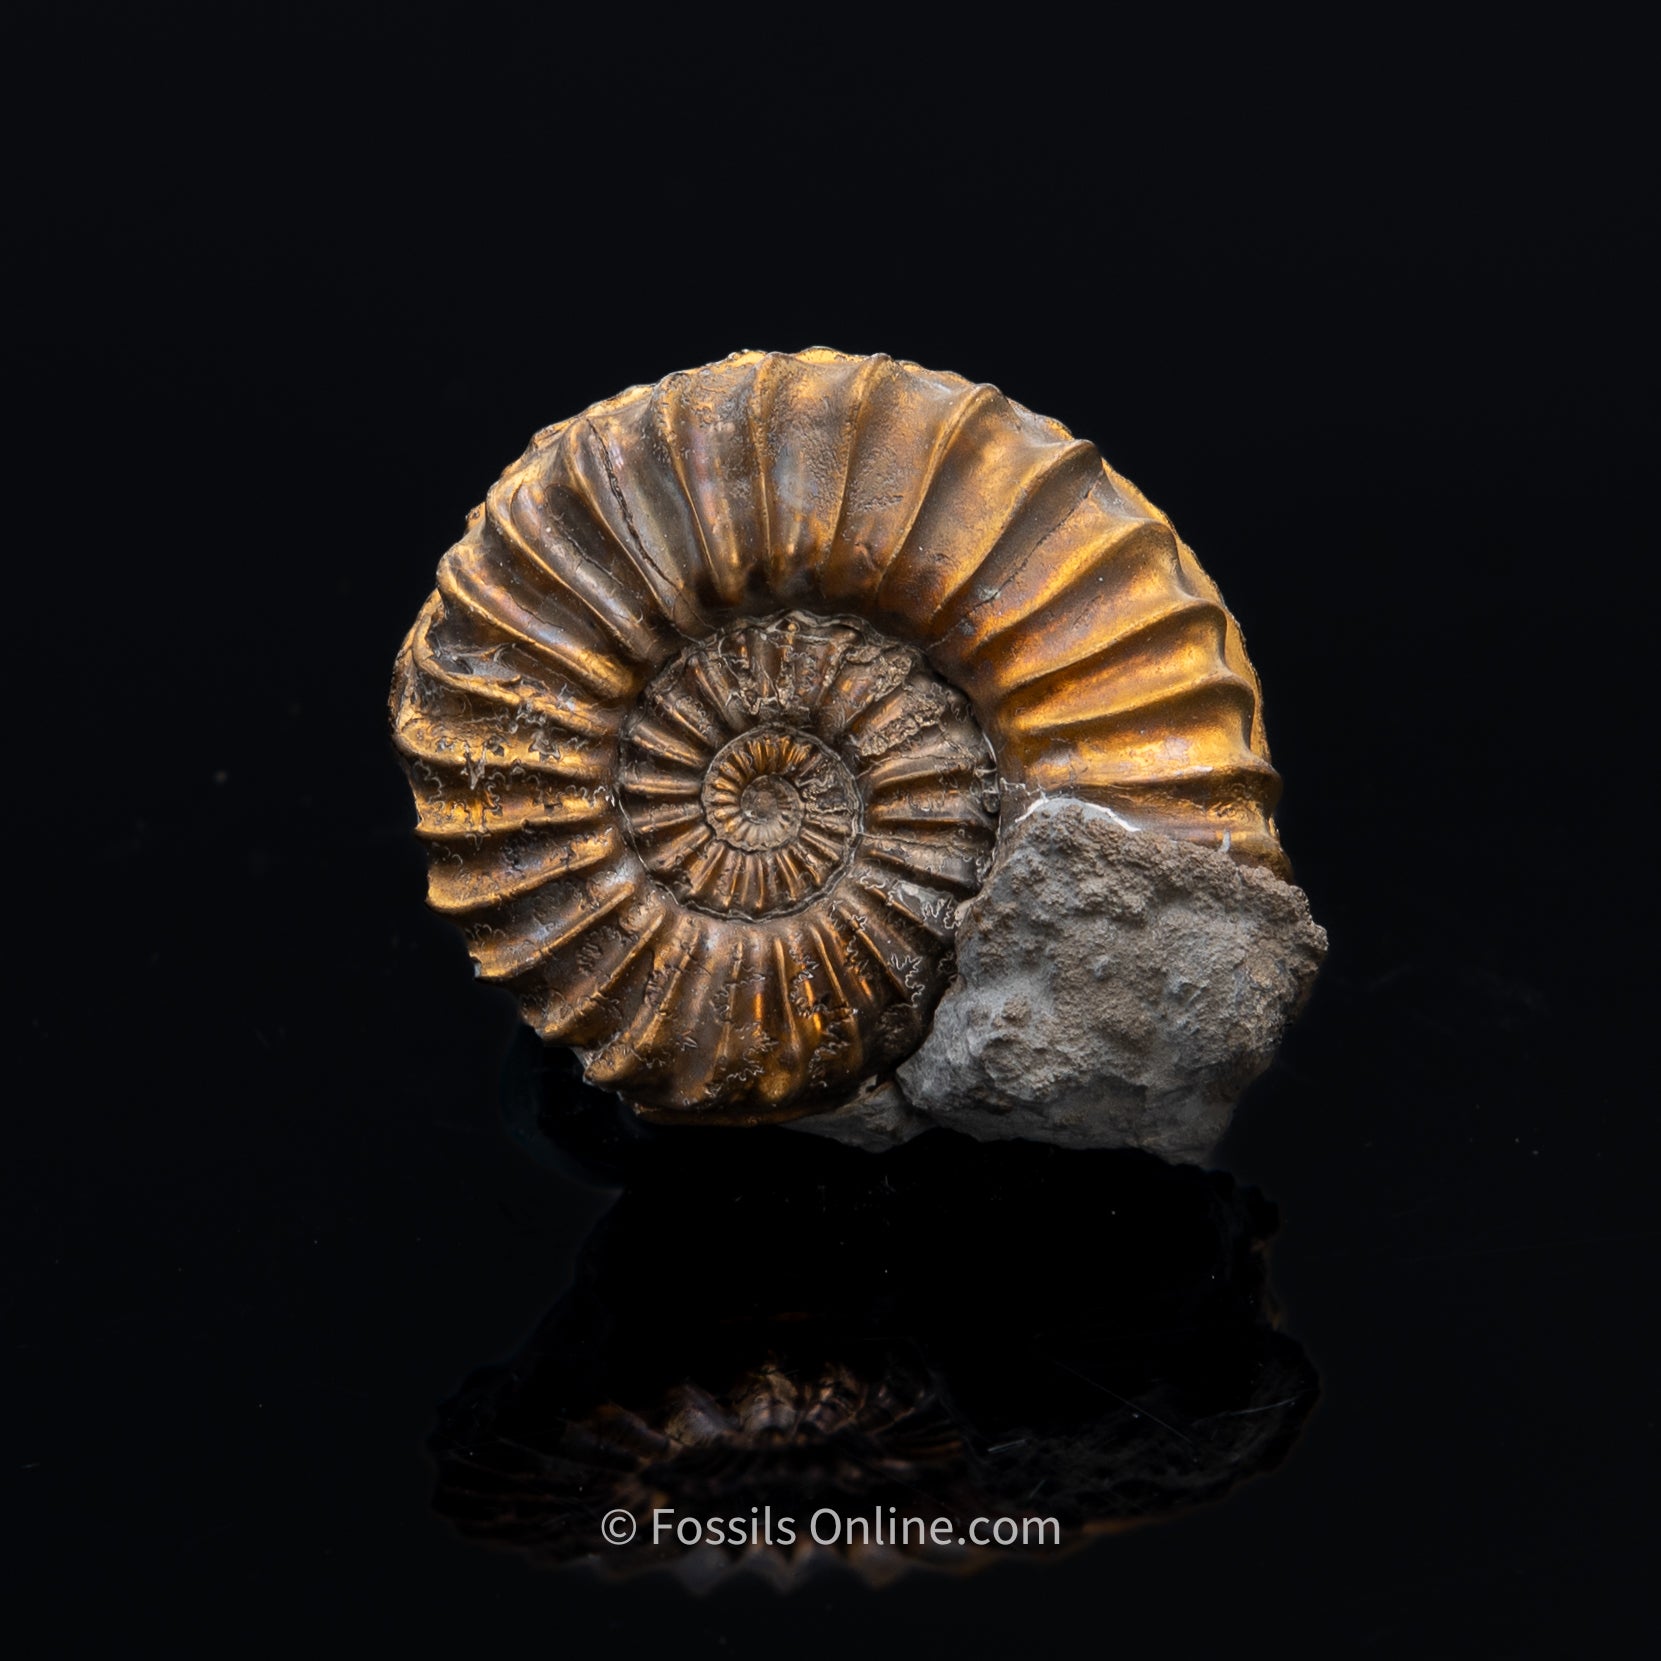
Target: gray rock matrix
(1115, 988)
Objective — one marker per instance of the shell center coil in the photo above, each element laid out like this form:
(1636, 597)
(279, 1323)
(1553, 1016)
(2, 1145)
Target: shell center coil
(770, 810)
(783, 797)
(775, 788)
(750, 765)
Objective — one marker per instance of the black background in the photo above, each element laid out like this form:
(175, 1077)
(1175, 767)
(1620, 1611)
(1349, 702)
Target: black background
(1359, 304)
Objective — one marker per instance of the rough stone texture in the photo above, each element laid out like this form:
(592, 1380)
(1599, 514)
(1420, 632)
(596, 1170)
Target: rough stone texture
(1115, 988)
(877, 1119)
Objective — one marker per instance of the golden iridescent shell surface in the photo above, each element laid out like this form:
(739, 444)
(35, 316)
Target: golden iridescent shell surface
(721, 699)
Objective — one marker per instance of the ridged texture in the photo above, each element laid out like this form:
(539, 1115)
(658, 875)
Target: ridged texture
(708, 718)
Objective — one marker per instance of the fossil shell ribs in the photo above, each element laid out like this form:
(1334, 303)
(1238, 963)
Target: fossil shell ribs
(710, 718)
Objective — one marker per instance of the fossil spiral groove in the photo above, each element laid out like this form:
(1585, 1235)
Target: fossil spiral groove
(713, 715)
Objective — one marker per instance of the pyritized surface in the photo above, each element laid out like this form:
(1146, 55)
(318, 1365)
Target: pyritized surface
(768, 917)
(711, 716)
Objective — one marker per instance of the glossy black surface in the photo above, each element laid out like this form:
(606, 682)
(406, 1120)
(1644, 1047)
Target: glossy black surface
(1065, 1342)
(1366, 314)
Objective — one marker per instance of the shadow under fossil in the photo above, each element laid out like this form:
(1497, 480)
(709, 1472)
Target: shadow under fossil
(839, 1358)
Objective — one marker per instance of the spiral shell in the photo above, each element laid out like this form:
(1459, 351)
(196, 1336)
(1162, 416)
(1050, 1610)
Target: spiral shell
(713, 715)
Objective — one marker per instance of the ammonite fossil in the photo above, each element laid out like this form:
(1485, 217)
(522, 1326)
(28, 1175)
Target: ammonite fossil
(724, 695)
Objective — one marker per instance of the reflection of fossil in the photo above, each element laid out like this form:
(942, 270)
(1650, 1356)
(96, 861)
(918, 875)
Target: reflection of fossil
(1113, 1362)
(709, 719)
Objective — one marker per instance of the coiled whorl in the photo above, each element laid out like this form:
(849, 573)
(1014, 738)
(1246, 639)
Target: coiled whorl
(712, 717)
